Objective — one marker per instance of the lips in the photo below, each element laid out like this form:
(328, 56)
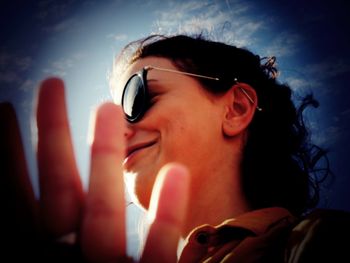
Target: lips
(138, 147)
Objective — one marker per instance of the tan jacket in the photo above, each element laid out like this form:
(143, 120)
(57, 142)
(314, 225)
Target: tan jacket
(257, 236)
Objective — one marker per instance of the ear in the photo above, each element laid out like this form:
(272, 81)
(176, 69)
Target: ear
(241, 103)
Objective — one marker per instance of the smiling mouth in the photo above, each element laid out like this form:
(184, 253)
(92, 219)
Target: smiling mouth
(134, 149)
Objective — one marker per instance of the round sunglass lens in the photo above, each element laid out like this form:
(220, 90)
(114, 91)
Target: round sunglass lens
(133, 98)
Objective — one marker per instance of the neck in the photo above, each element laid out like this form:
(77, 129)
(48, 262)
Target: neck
(215, 199)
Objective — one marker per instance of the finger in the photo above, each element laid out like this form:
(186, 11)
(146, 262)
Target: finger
(103, 231)
(167, 211)
(19, 208)
(60, 187)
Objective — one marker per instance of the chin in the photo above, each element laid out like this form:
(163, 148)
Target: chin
(142, 203)
(139, 190)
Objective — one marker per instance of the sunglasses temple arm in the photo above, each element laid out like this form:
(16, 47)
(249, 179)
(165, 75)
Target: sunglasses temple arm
(200, 76)
(181, 72)
(249, 98)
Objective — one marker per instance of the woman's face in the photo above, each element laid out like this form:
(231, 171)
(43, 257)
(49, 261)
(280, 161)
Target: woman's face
(182, 125)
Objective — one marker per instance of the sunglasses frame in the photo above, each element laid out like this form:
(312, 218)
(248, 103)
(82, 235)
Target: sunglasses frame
(142, 75)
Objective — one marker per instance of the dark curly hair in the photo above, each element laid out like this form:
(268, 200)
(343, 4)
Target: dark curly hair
(279, 166)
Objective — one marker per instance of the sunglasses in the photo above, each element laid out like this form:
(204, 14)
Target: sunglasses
(136, 100)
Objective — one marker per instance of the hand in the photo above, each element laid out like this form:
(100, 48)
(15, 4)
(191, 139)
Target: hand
(33, 227)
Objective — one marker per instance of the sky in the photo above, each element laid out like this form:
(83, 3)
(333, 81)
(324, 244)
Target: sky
(77, 41)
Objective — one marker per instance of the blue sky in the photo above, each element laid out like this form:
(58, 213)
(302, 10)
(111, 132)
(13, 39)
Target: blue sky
(77, 40)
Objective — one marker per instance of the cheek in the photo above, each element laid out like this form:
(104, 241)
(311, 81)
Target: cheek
(185, 137)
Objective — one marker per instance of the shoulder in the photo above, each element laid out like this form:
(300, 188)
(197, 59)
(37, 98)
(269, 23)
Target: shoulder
(320, 236)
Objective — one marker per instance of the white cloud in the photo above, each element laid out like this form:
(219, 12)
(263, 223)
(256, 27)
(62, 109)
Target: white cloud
(23, 63)
(14, 61)
(27, 85)
(346, 112)
(5, 58)
(180, 8)
(300, 83)
(9, 77)
(328, 136)
(53, 9)
(331, 133)
(297, 83)
(61, 26)
(330, 67)
(316, 75)
(245, 32)
(13, 66)
(227, 23)
(56, 16)
(61, 66)
(285, 44)
(237, 7)
(27, 105)
(118, 37)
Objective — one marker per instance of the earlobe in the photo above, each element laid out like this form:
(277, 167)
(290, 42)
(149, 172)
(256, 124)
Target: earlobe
(240, 107)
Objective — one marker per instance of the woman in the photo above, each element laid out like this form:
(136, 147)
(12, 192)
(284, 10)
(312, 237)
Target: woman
(242, 162)
(233, 126)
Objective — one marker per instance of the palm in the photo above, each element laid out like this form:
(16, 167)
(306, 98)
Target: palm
(96, 217)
